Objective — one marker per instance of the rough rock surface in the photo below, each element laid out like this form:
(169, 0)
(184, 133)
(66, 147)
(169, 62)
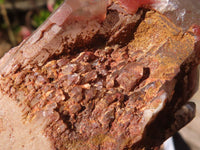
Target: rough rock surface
(101, 90)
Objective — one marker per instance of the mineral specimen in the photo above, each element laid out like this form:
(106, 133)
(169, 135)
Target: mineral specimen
(101, 84)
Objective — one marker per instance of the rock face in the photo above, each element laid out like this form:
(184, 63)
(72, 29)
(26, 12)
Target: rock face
(98, 87)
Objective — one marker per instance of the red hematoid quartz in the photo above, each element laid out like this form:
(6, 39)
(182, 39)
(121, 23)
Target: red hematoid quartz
(133, 5)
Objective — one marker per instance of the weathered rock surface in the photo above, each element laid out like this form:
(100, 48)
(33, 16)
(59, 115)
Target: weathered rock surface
(97, 87)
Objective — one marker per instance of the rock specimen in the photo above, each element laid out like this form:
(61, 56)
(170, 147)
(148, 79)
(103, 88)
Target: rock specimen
(96, 85)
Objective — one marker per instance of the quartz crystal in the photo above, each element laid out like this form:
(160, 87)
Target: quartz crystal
(183, 13)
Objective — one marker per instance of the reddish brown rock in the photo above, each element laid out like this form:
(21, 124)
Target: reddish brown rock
(97, 89)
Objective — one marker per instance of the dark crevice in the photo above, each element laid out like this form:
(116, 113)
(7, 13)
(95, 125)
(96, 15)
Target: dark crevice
(65, 117)
(82, 109)
(146, 74)
(108, 67)
(83, 94)
(112, 120)
(116, 84)
(51, 80)
(126, 97)
(98, 42)
(66, 96)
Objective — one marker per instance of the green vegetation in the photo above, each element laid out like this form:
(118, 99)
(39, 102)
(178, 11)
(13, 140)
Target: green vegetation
(11, 25)
(39, 18)
(58, 2)
(1, 1)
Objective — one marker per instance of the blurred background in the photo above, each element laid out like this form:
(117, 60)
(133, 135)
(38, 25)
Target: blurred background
(19, 18)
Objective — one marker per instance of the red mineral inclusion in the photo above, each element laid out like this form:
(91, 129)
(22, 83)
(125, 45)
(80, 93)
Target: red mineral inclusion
(133, 5)
(196, 30)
